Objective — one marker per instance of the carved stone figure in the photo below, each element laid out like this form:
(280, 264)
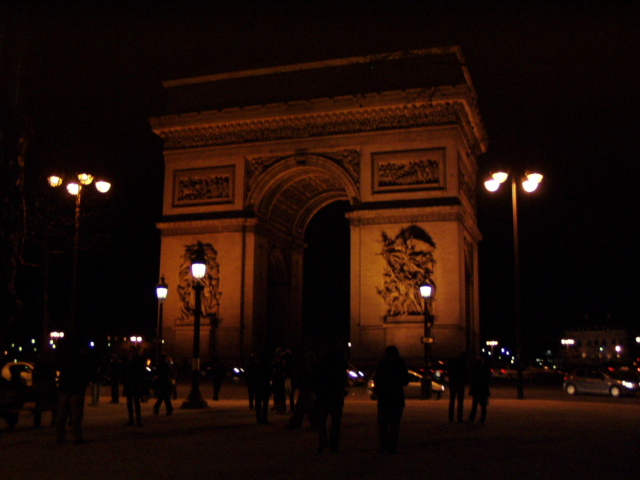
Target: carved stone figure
(409, 257)
(211, 282)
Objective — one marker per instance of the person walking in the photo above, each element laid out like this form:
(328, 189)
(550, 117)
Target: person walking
(262, 388)
(329, 390)
(389, 379)
(115, 375)
(217, 376)
(458, 372)
(133, 372)
(278, 378)
(163, 386)
(72, 384)
(480, 391)
(46, 390)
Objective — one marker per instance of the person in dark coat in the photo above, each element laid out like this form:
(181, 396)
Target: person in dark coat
(162, 382)
(73, 380)
(262, 387)
(115, 375)
(217, 376)
(250, 372)
(458, 372)
(133, 377)
(278, 380)
(46, 391)
(329, 390)
(480, 381)
(389, 379)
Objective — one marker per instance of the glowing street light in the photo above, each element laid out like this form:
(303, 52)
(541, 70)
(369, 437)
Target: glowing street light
(198, 272)
(530, 183)
(75, 188)
(162, 289)
(426, 291)
(568, 342)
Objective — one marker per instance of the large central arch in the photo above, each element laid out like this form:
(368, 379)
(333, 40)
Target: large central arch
(245, 178)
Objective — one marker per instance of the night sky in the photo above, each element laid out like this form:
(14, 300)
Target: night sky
(558, 86)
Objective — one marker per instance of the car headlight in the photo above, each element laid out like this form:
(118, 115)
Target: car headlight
(629, 385)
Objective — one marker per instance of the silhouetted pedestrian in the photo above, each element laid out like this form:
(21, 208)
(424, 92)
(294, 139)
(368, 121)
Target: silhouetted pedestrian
(162, 385)
(329, 389)
(389, 379)
(458, 372)
(73, 380)
(46, 390)
(133, 378)
(250, 375)
(480, 381)
(304, 386)
(217, 376)
(97, 377)
(278, 378)
(115, 374)
(262, 388)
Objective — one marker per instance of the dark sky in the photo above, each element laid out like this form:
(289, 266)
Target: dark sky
(559, 88)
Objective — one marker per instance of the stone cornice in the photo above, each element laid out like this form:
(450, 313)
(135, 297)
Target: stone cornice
(416, 215)
(390, 111)
(205, 226)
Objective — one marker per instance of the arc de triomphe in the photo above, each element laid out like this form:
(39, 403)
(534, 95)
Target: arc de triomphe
(252, 156)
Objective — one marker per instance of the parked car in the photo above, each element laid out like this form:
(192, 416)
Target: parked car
(413, 389)
(591, 380)
(26, 371)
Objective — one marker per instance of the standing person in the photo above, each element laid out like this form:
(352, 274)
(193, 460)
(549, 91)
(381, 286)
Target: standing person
(262, 387)
(329, 388)
(46, 390)
(278, 379)
(97, 377)
(133, 373)
(480, 380)
(389, 379)
(163, 385)
(115, 374)
(217, 376)
(458, 372)
(72, 384)
(250, 376)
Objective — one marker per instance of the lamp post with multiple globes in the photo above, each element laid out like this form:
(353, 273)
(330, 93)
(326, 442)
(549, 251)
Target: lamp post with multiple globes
(75, 187)
(530, 183)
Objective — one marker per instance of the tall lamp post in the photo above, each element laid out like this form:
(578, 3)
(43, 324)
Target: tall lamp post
(198, 271)
(530, 183)
(162, 289)
(75, 187)
(426, 292)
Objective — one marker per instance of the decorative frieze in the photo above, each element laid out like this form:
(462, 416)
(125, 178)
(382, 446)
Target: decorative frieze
(315, 125)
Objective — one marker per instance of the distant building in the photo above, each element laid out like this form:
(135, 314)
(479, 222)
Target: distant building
(599, 344)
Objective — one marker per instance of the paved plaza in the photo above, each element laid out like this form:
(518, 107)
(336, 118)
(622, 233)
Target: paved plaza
(545, 436)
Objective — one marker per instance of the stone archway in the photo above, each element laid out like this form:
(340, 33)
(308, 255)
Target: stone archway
(267, 149)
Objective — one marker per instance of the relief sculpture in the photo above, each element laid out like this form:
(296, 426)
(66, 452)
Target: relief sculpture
(409, 264)
(211, 282)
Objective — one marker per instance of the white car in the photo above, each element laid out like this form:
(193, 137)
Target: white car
(26, 371)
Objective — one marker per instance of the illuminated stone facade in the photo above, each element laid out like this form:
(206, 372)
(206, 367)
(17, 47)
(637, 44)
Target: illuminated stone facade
(251, 157)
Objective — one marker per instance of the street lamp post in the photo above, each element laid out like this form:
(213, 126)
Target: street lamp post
(492, 344)
(161, 292)
(426, 291)
(529, 184)
(75, 188)
(198, 271)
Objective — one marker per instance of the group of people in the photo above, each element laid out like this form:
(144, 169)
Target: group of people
(318, 377)
(478, 376)
(60, 385)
